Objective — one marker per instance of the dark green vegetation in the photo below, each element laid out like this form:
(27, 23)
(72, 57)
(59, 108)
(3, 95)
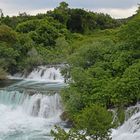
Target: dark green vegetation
(103, 57)
(27, 41)
(105, 71)
(93, 121)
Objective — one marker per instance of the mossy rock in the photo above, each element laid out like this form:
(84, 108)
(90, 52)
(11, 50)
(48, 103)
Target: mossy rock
(64, 116)
(121, 115)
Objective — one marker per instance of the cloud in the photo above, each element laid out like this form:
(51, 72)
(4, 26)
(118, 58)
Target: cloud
(116, 8)
(114, 4)
(29, 12)
(118, 13)
(37, 11)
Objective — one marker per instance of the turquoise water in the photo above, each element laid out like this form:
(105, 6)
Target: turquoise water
(29, 110)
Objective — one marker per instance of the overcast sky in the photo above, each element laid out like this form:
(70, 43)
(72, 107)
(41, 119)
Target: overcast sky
(116, 8)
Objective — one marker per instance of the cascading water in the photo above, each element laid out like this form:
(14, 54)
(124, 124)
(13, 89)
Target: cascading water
(43, 73)
(30, 109)
(36, 105)
(130, 130)
(27, 116)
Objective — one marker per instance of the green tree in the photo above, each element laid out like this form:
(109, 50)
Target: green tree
(130, 33)
(63, 5)
(93, 122)
(3, 74)
(7, 34)
(60, 13)
(1, 13)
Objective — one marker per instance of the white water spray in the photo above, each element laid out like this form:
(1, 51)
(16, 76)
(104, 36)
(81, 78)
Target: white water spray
(42, 73)
(25, 116)
(130, 130)
(29, 109)
(31, 117)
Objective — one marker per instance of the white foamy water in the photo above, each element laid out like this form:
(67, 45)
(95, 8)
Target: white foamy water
(130, 130)
(30, 108)
(24, 117)
(42, 73)
(31, 117)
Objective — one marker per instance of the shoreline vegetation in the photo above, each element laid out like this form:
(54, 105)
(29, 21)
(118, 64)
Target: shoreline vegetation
(103, 57)
(3, 74)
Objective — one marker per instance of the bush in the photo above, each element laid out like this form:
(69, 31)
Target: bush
(92, 122)
(3, 74)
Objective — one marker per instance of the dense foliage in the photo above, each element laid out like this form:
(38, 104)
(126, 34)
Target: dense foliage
(92, 122)
(105, 70)
(49, 35)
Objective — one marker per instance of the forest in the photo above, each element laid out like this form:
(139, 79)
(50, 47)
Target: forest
(102, 57)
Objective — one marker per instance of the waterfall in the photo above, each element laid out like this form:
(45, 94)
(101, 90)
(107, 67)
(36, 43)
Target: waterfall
(31, 107)
(42, 73)
(45, 106)
(24, 116)
(130, 130)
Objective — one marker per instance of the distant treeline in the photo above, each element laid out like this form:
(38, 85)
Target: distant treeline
(27, 41)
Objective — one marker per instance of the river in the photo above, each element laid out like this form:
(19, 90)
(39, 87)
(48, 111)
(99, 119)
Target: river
(31, 106)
